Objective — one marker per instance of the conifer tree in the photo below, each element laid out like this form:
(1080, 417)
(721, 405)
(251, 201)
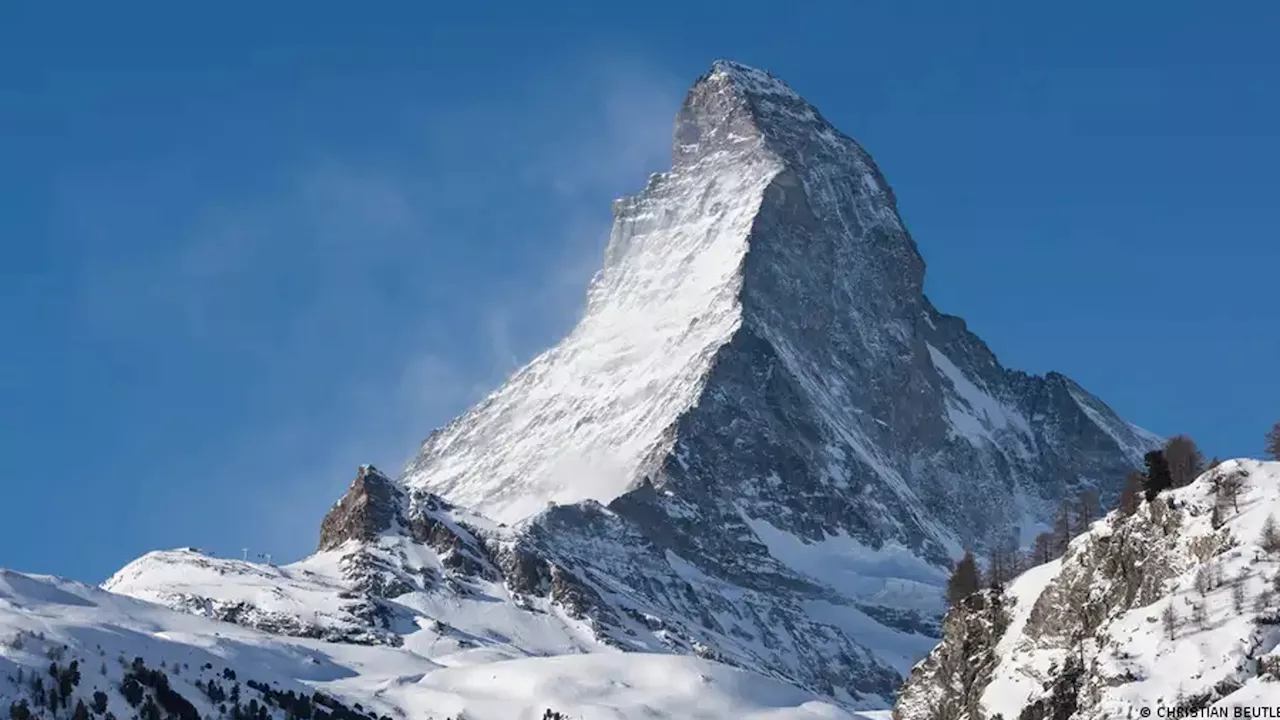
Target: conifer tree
(1157, 476)
(1229, 487)
(1185, 461)
(1270, 540)
(1131, 496)
(964, 579)
(1272, 448)
(1062, 529)
(1203, 580)
(1169, 619)
(1088, 508)
(1199, 615)
(1004, 564)
(1042, 551)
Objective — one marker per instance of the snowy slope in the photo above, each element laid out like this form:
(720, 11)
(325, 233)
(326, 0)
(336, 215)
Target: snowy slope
(44, 620)
(1105, 603)
(467, 620)
(593, 410)
(305, 599)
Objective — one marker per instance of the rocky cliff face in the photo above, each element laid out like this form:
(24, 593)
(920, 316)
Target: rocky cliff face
(761, 444)
(370, 507)
(1174, 607)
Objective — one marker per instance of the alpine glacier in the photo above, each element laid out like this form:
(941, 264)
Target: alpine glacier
(761, 445)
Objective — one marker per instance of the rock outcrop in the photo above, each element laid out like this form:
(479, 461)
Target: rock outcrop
(1173, 608)
(370, 508)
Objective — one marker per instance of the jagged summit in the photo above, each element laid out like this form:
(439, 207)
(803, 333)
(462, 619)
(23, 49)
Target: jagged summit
(598, 410)
(750, 80)
(734, 106)
(595, 413)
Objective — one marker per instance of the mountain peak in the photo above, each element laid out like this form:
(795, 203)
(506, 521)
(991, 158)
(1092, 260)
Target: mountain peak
(370, 506)
(760, 391)
(750, 80)
(737, 108)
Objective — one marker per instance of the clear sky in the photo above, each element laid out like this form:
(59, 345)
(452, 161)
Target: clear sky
(246, 247)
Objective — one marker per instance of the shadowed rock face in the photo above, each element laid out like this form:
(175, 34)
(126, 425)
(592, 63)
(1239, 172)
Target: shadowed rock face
(370, 507)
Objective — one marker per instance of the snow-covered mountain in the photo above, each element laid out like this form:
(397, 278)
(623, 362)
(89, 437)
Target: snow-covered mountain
(761, 311)
(762, 445)
(1176, 607)
(761, 425)
(72, 651)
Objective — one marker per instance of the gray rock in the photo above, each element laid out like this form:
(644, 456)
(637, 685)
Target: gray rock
(370, 507)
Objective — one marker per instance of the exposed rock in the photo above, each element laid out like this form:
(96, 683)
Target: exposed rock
(523, 571)
(948, 684)
(371, 506)
(575, 596)
(1169, 606)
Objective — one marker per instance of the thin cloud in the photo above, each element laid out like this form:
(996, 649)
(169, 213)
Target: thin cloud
(629, 113)
(608, 148)
(367, 357)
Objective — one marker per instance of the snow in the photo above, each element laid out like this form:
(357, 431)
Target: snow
(308, 590)
(613, 686)
(758, 83)
(450, 628)
(38, 615)
(1132, 439)
(590, 411)
(974, 413)
(695, 275)
(593, 416)
(891, 575)
(1008, 690)
(1137, 663)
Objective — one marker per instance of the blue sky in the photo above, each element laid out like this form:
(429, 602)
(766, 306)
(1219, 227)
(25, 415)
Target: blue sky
(246, 247)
